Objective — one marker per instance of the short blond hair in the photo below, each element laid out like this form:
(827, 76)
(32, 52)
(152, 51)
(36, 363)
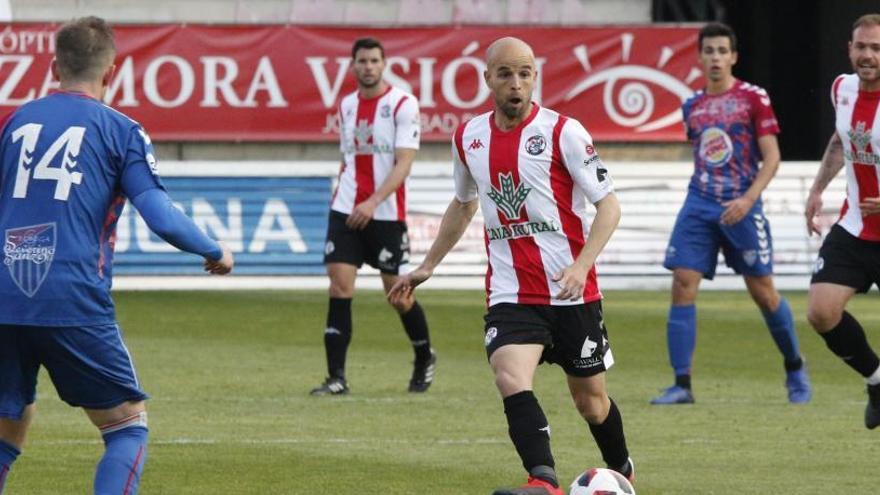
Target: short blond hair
(867, 20)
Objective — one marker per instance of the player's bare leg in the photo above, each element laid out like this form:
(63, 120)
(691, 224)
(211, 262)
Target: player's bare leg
(591, 399)
(846, 338)
(780, 322)
(681, 335)
(514, 369)
(337, 333)
(12, 437)
(124, 430)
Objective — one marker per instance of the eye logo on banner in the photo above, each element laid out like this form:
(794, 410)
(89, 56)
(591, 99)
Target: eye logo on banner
(634, 103)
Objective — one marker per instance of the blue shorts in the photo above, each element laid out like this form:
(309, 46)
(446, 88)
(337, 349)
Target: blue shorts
(698, 235)
(89, 366)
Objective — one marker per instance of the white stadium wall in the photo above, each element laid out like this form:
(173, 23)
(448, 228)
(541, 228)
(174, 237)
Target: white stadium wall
(274, 216)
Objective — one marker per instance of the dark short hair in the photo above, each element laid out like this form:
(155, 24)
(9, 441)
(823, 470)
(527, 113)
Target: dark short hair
(366, 43)
(867, 20)
(715, 29)
(84, 48)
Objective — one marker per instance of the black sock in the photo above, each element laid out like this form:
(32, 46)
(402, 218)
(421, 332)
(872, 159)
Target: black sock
(847, 340)
(337, 336)
(610, 439)
(529, 432)
(794, 365)
(416, 327)
(683, 381)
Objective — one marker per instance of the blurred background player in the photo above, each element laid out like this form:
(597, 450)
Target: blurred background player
(379, 128)
(532, 171)
(733, 127)
(67, 163)
(849, 260)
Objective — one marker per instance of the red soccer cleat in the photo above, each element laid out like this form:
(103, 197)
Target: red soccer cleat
(534, 486)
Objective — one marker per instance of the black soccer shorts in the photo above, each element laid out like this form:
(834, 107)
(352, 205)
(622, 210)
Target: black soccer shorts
(382, 244)
(844, 259)
(574, 337)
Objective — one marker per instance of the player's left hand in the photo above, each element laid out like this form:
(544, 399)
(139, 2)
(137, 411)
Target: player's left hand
(572, 279)
(870, 206)
(361, 214)
(736, 210)
(403, 288)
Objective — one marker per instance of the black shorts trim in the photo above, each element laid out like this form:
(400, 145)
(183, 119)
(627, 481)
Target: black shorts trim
(574, 337)
(382, 244)
(844, 259)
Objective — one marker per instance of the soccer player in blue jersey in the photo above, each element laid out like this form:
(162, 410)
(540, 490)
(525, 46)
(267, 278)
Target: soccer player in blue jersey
(732, 126)
(67, 164)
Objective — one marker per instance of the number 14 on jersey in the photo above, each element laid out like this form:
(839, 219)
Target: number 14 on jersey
(70, 141)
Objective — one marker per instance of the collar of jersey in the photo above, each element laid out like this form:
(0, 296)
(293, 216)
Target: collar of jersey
(528, 120)
(387, 90)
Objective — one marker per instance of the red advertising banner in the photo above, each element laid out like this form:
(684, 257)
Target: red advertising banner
(284, 83)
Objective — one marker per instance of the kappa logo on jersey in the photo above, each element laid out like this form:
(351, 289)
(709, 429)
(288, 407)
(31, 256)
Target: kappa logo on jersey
(715, 147)
(28, 252)
(601, 174)
(475, 145)
(819, 265)
(536, 145)
(511, 198)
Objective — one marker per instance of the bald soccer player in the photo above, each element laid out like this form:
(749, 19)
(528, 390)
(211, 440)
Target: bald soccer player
(533, 171)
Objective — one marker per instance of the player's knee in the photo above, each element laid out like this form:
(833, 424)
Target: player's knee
(823, 318)
(593, 407)
(509, 383)
(684, 291)
(341, 290)
(402, 307)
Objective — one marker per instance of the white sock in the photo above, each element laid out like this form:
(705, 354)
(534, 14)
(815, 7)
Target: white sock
(874, 379)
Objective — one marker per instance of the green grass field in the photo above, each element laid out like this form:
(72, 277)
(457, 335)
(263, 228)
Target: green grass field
(229, 373)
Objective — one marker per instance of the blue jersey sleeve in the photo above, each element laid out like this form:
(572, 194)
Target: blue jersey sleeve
(173, 226)
(139, 170)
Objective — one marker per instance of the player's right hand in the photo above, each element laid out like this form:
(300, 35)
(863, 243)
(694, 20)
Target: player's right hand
(221, 266)
(403, 288)
(811, 211)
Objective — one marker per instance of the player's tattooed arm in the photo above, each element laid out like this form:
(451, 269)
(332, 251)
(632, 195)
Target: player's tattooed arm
(832, 162)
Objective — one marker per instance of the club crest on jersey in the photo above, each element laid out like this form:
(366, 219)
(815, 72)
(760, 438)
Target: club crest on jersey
(511, 198)
(536, 145)
(715, 147)
(861, 138)
(28, 253)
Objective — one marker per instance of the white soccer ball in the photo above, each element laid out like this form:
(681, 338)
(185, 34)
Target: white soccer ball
(601, 481)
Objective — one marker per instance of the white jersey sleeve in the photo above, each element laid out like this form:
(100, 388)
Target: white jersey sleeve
(583, 163)
(407, 124)
(465, 185)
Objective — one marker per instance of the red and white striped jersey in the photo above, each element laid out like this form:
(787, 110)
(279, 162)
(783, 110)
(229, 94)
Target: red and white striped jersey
(370, 131)
(533, 183)
(858, 126)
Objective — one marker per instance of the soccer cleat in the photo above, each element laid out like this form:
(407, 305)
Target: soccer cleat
(872, 409)
(628, 471)
(674, 395)
(534, 486)
(332, 386)
(798, 385)
(423, 374)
